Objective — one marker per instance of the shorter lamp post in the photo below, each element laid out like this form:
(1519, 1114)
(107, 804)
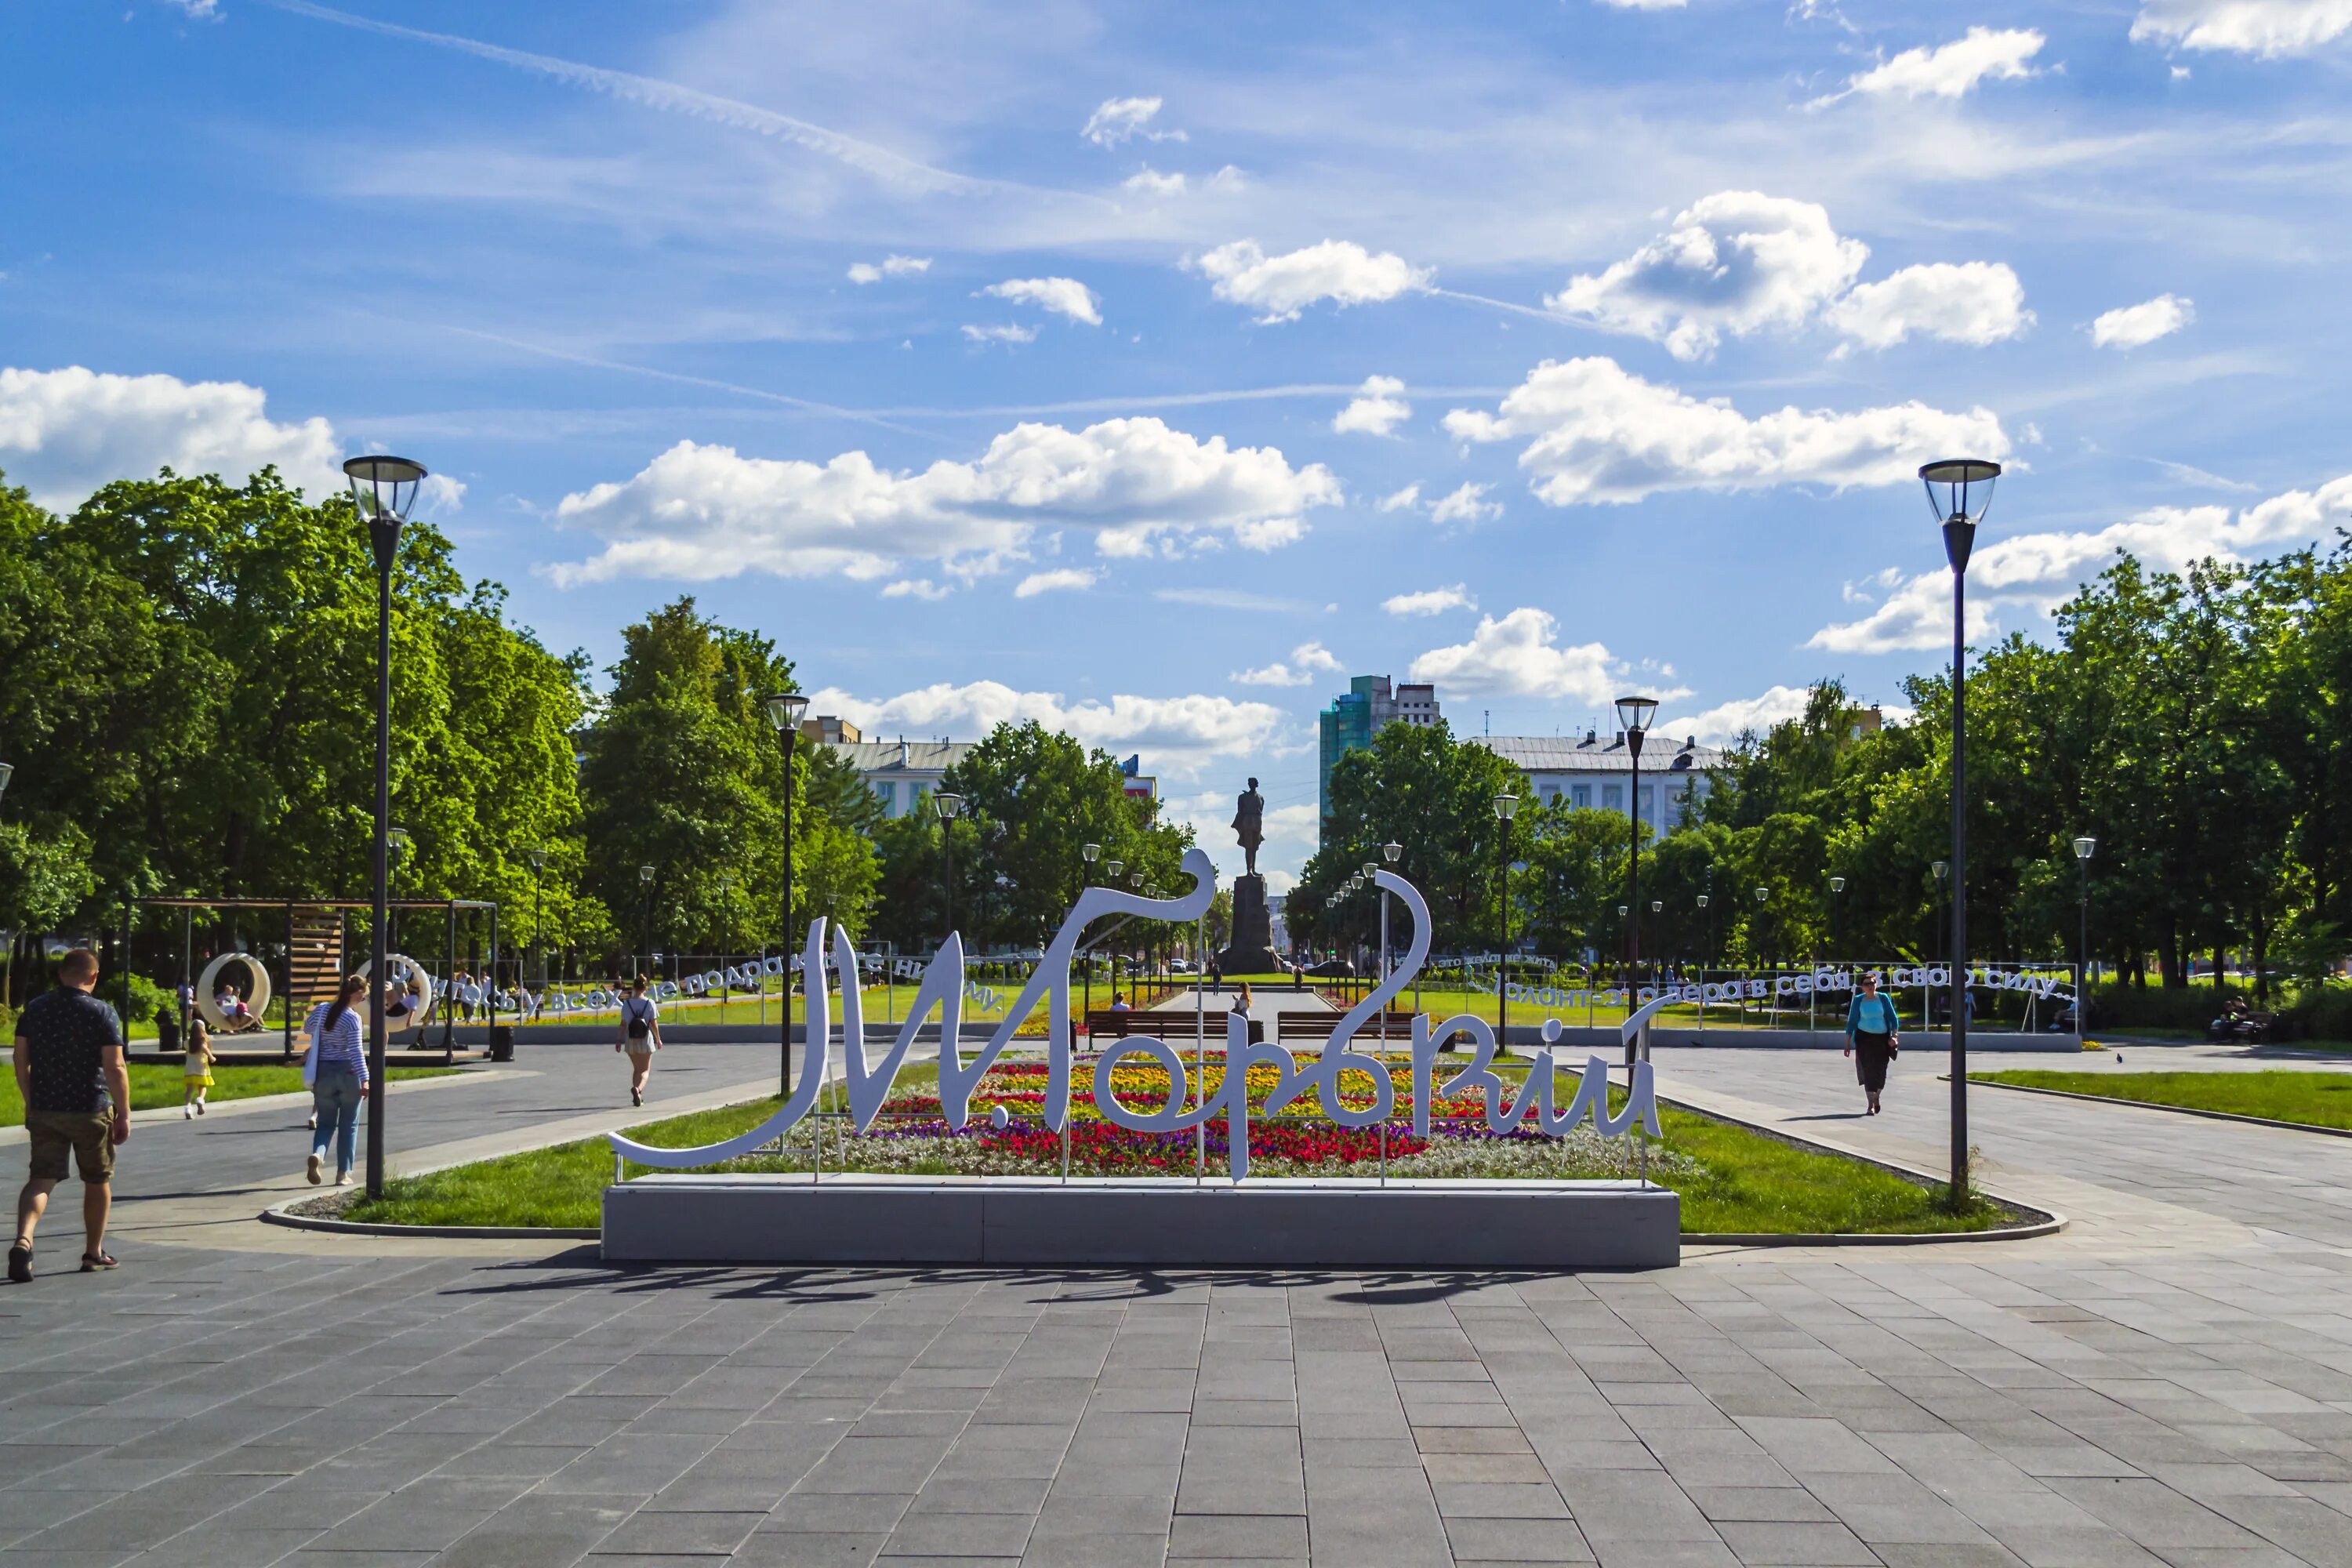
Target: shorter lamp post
(8, 957)
(785, 710)
(1706, 958)
(1506, 806)
(1837, 886)
(1633, 715)
(538, 858)
(948, 805)
(1088, 853)
(1763, 897)
(646, 920)
(2084, 849)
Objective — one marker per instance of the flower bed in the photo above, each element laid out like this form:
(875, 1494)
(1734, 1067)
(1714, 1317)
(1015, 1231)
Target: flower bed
(910, 1137)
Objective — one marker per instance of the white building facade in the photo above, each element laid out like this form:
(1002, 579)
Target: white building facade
(1592, 774)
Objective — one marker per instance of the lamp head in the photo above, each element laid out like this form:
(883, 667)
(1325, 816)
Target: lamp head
(1391, 850)
(2082, 847)
(785, 710)
(1837, 884)
(7, 769)
(1115, 868)
(1702, 900)
(646, 874)
(1943, 869)
(539, 860)
(1506, 806)
(1633, 715)
(1657, 906)
(948, 804)
(1959, 490)
(1371, 868)
(1762, 894)
(398, 838)
(382, 486)
(1623, 912)
(1088, 852)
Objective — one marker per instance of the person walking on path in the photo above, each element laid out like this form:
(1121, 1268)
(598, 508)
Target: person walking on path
(70, 1071)
(196, 1072)
(1871, 1038)
(640, 1036)
(338, 1071)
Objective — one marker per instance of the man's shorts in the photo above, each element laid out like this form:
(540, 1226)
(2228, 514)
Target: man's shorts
(87, 1134)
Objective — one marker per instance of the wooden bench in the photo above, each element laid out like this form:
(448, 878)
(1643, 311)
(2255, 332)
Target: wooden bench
(1318, 1026)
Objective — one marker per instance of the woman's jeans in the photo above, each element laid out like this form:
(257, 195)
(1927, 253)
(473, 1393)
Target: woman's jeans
(336, 1096)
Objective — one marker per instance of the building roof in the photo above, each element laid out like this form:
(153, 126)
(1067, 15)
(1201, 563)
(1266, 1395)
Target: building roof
(1602, 753)
(902, 756)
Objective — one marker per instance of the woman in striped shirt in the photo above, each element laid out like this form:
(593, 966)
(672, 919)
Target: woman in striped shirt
(340, 1079)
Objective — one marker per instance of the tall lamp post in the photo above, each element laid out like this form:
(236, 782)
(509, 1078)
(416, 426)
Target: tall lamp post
(1505, 807)
(538, 858)
(1633, 715)
(785, 710)
(2084, 849)
(948, 805)
(383, 487)
(8, 957)
(1959, 490)
(645, 919)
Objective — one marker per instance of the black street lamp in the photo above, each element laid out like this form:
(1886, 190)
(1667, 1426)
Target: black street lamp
(1763, 896)
(785, 710)
(9, 957)
(948, 805)
(383, 487)
(1087, 853)
(1505, 807)
(538, 858)
(1959, 490)
(1837, 886)
(2084, 849)
(646, 920)
(1633, 715)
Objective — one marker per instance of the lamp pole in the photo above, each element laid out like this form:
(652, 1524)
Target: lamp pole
(1633, 715)
(1087, 853)
(383, 487)
(8, 957)
(948, 805)
(1763, 895)
(645, 919)
(1959, 490)
(539, 913)
(2084, 849)
(785, 710)
(1505, 807)
(1391, 852)
(1837, 886)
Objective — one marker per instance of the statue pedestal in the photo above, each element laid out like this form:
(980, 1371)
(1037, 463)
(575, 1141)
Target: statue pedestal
(1251, 951)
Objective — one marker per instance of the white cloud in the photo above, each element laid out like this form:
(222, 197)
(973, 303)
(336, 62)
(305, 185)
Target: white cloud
(1150, 182)
(1596, 433)
(440, 493)
(1401, 499)
(2266, 27)
(1465, 504)
(1735, 262)
(1431, 601)
(1974, 302)
(891, 267)
(2135, 326)
(1645, 4)
(1063, 296)
(64, 432)
(914, 588)
(1377, 408)
(1062, 579)
(1951, 71)
(1306, 660)
(2036, 572)
(1176, 734)
(1117, 119)
(1520, 655)
(1727, 722)
(199, 10)
(1280, 287)
(700, 512)
(1010, 332)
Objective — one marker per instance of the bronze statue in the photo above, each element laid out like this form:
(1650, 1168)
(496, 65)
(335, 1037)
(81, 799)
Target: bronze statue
(1249, 818)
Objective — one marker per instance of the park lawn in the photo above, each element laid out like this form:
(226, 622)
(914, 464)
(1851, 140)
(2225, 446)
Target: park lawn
(2314, 1099)
(1747, 1183)
(157, 1086)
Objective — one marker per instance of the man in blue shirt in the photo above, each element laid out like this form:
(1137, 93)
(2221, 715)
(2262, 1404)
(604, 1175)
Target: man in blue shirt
(68, 1061)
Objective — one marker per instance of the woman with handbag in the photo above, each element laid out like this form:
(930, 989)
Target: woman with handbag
(1871, 1038)
(640, 1036)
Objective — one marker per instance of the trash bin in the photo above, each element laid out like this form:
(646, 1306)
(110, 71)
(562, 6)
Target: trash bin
(502, 1042)
(167, 1029)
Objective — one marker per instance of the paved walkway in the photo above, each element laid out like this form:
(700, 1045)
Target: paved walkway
(2167, 1382)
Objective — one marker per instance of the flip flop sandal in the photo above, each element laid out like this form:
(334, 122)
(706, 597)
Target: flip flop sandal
(91, 1262)
(20, 1265)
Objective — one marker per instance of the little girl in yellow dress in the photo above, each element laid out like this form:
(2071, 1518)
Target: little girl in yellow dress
(196, 1073)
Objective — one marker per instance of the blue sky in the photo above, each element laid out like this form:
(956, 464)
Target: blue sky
(1151, 370)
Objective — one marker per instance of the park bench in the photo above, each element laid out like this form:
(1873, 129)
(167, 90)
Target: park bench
(1318, 1026)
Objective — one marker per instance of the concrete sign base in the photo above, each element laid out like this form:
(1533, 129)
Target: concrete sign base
(1338, 1223)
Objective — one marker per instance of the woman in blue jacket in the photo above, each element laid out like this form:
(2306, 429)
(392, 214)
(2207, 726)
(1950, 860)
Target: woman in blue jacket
(1871, 1039)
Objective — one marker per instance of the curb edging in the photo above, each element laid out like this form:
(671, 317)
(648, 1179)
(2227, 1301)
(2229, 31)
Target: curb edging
(283, 1214)
(2151, 1105)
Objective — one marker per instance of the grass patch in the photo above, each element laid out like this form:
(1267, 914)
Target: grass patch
(157, 1086)
(1730, 1179)
(2314, 1099)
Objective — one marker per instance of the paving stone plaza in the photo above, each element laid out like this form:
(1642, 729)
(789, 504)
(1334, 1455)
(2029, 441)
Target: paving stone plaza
(2167, 1381)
